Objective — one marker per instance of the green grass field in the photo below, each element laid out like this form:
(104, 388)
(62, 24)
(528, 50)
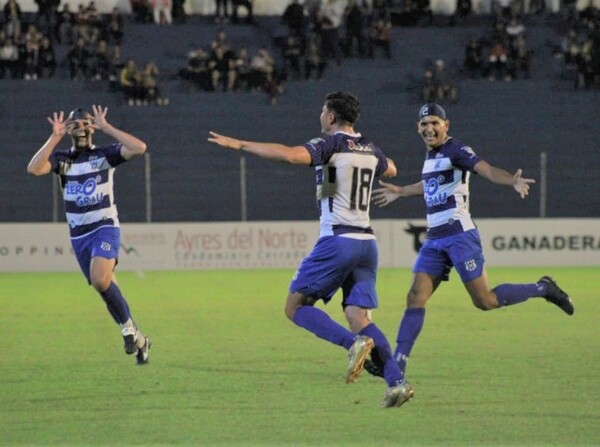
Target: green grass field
(227, 368)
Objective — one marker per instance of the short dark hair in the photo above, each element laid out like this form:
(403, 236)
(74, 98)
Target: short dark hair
(344, 105)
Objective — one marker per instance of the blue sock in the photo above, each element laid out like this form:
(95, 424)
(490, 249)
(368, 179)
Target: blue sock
(319, 323)
(391, 372)
(508, 294)
(410, 328)
(116, 304)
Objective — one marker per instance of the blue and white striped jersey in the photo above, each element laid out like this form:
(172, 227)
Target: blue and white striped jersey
(446, 173)
(345, 166)
(87, 185)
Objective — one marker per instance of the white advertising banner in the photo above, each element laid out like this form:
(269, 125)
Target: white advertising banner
(242, 245)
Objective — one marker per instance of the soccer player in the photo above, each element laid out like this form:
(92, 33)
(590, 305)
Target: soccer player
(345, 255)
(452, 237)
(86, 175)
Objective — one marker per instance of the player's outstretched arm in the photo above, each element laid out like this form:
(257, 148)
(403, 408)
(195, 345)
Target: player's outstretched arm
(39, 163)
(272, 151)
(132, 146)
(502, 177)
(389, 192)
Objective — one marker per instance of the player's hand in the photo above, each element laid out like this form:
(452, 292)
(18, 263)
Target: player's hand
(59, 126)
(224, 141)
(386, 195)
(99, 113)
(521, 184)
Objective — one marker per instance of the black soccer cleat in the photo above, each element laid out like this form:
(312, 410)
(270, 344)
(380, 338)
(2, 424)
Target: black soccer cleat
(142, 355)
(130, 344)
(373, 368)
(557, 296)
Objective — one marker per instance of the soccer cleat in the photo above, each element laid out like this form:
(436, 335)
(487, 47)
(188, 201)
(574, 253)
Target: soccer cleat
(557, 296)
(357, 354)
(373, 368)
(130, 339)
(143, 352)
(396, 396)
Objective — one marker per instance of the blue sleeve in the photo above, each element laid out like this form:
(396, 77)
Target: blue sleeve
(320, 150)
(113, 154)
(382, 162)
(463, 157)
(54, 159)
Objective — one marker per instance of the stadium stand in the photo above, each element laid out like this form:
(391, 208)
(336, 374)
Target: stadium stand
(509, 124)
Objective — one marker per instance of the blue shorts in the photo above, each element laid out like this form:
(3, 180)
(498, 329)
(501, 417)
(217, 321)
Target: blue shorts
(337, 261)
(104, 242)
(462, 251)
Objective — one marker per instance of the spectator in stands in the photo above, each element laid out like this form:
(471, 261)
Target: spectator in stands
(424, 12)
(142, 11)
(78, 58)
(9, 59)
(178, 12)
(12, 19)
(380, 10)
(380, 37)
(463, 10)
(514, 29)
(588, 65)
(66, 26)
(100, 62)
(294, 17)
(445, 87)
(95, 20)
(116, 64)
(428, 91)
(161, 10)
(85, 25)
(221, 40)
(130, 82)
(263, 74)
(32, 34)
(355, 17)
(221, 66)
(498, 62)
(409, 14)
(502, 8)
(114, 28)
(332, 17)
(313, 62)
(519, 66)
(292, 53)
(46, 59)
(47, 16)
(221, 11)
(473, 62)
(149, 82)
(31, 59)
(196, 70)
(247, 5)
(241, 65)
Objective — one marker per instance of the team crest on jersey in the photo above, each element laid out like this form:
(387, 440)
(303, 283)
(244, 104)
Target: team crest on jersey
(470, 265)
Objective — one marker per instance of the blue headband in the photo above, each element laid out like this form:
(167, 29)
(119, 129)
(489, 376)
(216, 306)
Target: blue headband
(432, 109)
